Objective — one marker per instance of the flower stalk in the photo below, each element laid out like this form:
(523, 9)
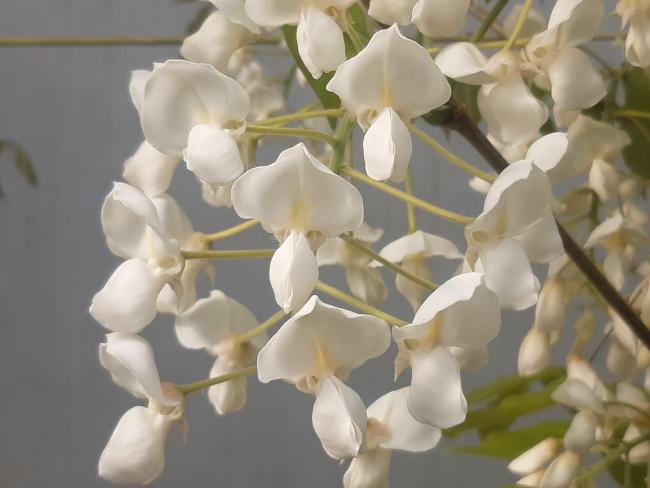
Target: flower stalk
(188, 388)
(237, 254)
(233, 231)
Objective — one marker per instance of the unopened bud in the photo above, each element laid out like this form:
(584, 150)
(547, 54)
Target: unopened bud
(534, 353)
(581, 435)
(560, 472)
(585, 328)
(620, 362)
(550, 311)
(535, 457)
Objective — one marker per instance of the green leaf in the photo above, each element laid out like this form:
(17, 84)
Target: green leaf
(327, 99)
(468, 96)
(498, 417)
(636, 86)
(510, 444)
(505, 386)
(25, 167)
(637, 473)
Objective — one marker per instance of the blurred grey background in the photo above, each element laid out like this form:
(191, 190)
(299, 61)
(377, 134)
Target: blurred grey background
(70, 108)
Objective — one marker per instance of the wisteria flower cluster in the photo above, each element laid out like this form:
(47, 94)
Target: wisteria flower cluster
(556, 132)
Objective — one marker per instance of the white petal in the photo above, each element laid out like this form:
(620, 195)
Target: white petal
(149, 170)
(387, 147)
(463, 311)
(293, 272)
(576, 85)
(436, 397)
(130, 360)
(274, 13)
(215, 42)
(230, 396)
(136, 87)
(127, 303)
(420, 243)
(512, 113)
(366, 284)
(551, 308)
(235, 11)
(405, 433)
(391, 71)
(535, 23)
(542, 241)
(320, 42)
(577, 394)
(591, 139)
(581, 435)
(615, 267)
(370, 469)
(560, 472)
(135, 452)
(389, 12)
(212, 155)
(552, 155)
(299, 193)
(509, 275)
(180, 95)
(131, 223)
(535, 457)
(213, 319)
(409, 289)
(465, 63)
(443, 18)
(174, 220)
(319, 340)
(339, 419)
(576, 21)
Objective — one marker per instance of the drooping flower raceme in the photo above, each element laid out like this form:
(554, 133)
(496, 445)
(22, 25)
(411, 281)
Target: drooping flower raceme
(435, 18)
(302, 202)
(413, 251)
(320, 39)
(390, 427)
(391, 81)
(636, 14)
(215, 324)
(135, 452)
(193, 110)
(316, 350)
(453, 325)
(148, 232)
(511, 233)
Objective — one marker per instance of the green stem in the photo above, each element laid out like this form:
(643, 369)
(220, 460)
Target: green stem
(291, 132)
(449, 156)
(521, 21)
(87, 41)
(342, 137)
(632, 114)
(421, 204)
(238, 254)
(388, 264)
(233, 231)
(260, 329)
(489, 20)
(300, 115)
(359, 304)
(201, 385)
(410, 209)
(613, 456)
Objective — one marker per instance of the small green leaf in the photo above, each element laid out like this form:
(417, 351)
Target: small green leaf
(636, 86)
(502, 387)
(327, 99)
(25, 167)
(637, 473)
(510, 444)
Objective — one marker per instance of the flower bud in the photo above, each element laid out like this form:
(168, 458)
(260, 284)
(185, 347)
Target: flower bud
(550, 311)
(534, 353)
(535, 457)
(620, 362)
(581, 435)
(560, 472)
(532, 480)
(585, 327)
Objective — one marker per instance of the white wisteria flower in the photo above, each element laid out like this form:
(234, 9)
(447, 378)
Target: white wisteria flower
(511, 233)
(390, 82)
(316, 350)
(365, 282)
(461, 317)
(564, 69)
(215, 41)
(135, 452)
(413, 251)
(390, 427)
(216, 324)
(513, 114)
(435, 18)
(302, 202)
(149, 233)
(320, 39)
(235, 11)
(193, 110)
(636, 14)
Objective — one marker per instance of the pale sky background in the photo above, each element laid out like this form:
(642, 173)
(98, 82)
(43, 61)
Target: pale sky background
(70, 108)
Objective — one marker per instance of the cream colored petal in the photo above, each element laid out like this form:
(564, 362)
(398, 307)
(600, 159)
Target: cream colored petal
(387, 147)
